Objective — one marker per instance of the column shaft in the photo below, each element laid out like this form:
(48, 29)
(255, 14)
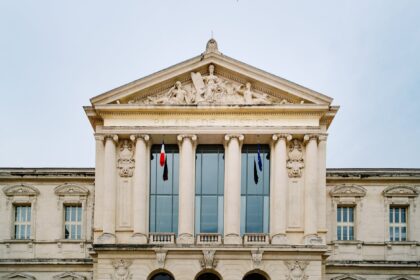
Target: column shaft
(232, 203)
(322, 190)
(279, 190)
(99, 182)
(311, 186)
(186, 189)
(110, 188)
(140, 189)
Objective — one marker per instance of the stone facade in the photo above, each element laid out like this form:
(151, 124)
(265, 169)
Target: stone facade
(211, 100)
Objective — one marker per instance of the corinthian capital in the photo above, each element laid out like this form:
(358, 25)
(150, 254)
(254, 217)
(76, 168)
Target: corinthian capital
(181, 137)
(285, 136)
(144, 137)
(322, 137)
(309, 137)
(228, 137)
(112, 137)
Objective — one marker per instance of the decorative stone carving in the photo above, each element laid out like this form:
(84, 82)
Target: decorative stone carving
(71, 190)
(208, 89)
(208, 261)
(212, 47)
(121, 270)
(347, 277)
(69, 276)
(348, 191)
(20, 190)
(256, 256)
(312, 239)
(126, 161)
(295, 162)
(400, 277)
(400, 191)
(160, 257)
(296, 270)
(18, 275)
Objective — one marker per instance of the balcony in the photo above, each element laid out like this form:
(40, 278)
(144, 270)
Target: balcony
(162, 238)
(256, 238)
(209, 238)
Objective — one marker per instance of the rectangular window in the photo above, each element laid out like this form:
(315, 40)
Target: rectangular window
(397, 223)
(163, 213)
(255, 189)
(73, 222)
(345, 223)
(23, 222)
(209, 187)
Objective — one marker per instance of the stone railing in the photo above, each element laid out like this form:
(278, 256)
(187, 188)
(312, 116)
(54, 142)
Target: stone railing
(162, 238)
(256, 238)
(209, 238)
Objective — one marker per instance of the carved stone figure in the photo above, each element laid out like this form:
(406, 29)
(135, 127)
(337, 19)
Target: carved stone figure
(256, 256)
(126, 161)
(251, 97)
(295, 161)
(121, 271)
(296, 270)
(208, 261)
(160, 257)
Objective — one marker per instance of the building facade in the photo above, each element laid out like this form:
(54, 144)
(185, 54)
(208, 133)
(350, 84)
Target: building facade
(210, 169)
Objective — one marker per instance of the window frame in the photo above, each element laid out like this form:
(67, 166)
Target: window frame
(345, 224)
(398, 225)
(70, 223)
(26, 223)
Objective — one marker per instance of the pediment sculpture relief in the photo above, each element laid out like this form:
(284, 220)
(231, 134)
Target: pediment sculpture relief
(401, 191)
(348, 191)
(295, 162)
(211, 90)
(19, 190)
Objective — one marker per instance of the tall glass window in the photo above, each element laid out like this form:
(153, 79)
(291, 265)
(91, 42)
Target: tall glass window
(398, 223)
(345, 223)
(73, 222)
(163, 214)
(23, 222)
(209, 184)
(255, 197)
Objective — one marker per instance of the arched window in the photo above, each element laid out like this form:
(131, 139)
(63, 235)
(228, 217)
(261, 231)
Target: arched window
(208, 276)
(162, 276)
(254, 276)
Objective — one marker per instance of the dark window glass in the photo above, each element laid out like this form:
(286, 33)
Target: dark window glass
(208, 276)
(162, 276)
(255, 196)
(209, 187)
(163, 214)
(254, 276)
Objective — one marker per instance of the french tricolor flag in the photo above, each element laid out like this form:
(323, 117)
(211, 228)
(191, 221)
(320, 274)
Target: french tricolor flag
(162, 155)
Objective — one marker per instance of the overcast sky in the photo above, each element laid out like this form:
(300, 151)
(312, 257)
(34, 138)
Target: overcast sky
(56, 55)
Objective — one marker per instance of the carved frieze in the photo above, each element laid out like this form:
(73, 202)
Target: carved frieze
(69, 275)
(71, 190)
(126, 161)
(296, 270)
(209, 90)
(400, 191)
(348, 191)
(295, 162)
(20, 190)
(18, 275)
(256, 256)
(121, 270)
(208, 261)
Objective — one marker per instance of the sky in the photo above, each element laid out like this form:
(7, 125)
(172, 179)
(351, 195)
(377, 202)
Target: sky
(56, 55)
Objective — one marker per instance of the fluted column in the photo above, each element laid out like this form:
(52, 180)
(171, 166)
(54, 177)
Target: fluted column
(311, 188)
(140, 189)
(110, 189)
(232, 204)
(186, 188)
(279, 189)
(322, 189)
(99, 182)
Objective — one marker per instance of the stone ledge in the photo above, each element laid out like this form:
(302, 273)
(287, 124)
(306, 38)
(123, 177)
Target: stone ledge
(46, 261)
(377, 263)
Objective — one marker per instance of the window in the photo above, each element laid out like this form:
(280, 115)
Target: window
(398, 223)
(345, 223)
(209, 184)
(73, 222)
(255, 197)
(164, 194)
(162, 276)
(22, 222)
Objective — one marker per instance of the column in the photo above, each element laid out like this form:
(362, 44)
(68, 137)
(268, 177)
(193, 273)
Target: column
(140, 189)
(110, 189)
(99, 182)
(311, 188)
(186, 188)
(232, 204)
(322, 189)
(279, 189)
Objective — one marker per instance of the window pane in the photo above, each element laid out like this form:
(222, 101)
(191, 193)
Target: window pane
(391, 233)
(79, 213)
(66, 231)
(403, 218)
(209, 173)
(403, 234)
(345, 214)
(254, 214)
(220, 214)
(28, 216)
(391, 215)
(339, 233)
(345, 234)
(351, 233)
(152, 211)
(397, 234)
(22, 232)
(209, 214)
(351, 217)
(397, 215)
(17, 214)
(164, 214)
(79, 232)
(338, 214)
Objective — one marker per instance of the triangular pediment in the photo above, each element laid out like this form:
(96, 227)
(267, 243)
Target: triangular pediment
(211, 79)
